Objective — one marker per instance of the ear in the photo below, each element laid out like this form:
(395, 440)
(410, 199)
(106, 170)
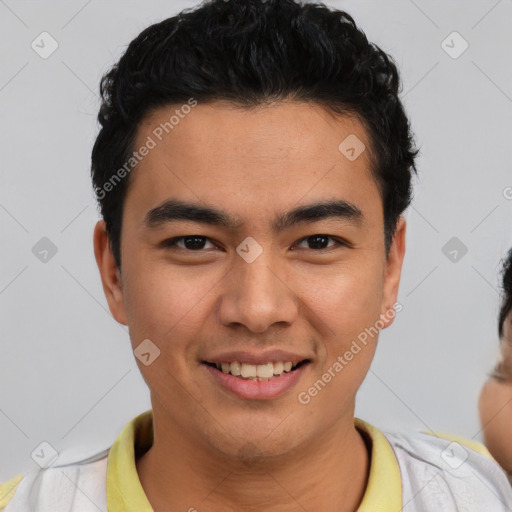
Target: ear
(109, 272)
(394, 262)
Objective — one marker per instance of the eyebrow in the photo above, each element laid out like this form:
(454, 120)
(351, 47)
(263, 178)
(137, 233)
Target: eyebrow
(176, 210)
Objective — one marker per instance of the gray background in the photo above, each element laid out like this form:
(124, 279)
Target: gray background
(67, 373)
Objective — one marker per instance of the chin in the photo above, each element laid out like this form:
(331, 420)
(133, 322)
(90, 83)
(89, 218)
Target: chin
(250, 446)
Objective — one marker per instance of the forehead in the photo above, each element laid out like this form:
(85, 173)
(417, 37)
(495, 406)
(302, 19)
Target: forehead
(277, 131)
(286, 152)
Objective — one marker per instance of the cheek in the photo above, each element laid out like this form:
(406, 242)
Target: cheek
(344, 310)
(346, 301)
(496, 418)
(168, 305)
(163, 300)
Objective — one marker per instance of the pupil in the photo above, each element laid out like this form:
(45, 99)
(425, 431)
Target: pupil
(197, 242)
(320, 245)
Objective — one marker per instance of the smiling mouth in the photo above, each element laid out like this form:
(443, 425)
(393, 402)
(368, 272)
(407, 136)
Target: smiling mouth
(257, 372)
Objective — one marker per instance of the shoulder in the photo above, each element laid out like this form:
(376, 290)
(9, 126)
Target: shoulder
(436, 468)
(65, 486)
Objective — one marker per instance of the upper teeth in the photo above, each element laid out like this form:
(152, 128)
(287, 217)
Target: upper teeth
(251, 371)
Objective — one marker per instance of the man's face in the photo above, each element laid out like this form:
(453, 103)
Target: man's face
(253, 293)
(495, 406)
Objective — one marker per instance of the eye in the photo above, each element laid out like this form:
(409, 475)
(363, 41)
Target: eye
(190, 242)
(318, 242)
(198, 243)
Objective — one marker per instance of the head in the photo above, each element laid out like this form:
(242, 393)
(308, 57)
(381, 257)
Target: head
(252, 166)
(305, 53)
(496, 396)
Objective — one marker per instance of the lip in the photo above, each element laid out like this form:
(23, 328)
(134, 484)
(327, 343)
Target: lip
(253, 389)
(270, 356)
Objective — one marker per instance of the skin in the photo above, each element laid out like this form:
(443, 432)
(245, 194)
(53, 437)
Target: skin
(220, 452)
(495, 407)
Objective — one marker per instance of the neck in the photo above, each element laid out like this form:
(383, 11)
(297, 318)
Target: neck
(328, 474)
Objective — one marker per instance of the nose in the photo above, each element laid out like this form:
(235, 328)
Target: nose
(257, 295)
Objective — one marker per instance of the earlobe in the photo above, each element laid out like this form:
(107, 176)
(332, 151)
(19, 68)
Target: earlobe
(394, 262)
(109, 272)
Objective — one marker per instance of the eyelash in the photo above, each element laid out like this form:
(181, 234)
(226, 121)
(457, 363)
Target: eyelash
(172, 242)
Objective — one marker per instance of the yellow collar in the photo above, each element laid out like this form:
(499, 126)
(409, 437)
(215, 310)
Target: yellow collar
(125, 492)
(384, 489)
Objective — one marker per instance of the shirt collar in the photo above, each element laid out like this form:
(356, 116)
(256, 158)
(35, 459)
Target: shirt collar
(125, 492)
(384, 489)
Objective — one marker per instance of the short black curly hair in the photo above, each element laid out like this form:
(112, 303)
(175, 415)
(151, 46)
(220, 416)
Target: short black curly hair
(252, 52)
(506, 303)
(503, 369)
